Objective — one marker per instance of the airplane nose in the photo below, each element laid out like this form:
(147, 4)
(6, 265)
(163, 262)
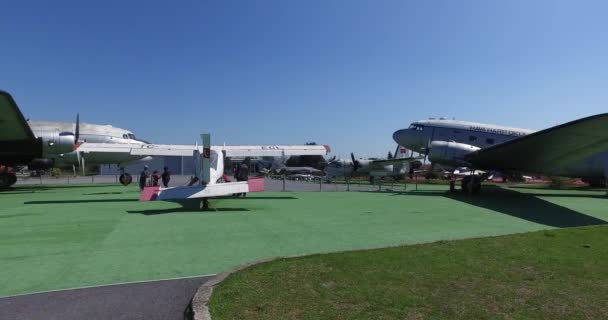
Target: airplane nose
(401, 137)
(407, 138)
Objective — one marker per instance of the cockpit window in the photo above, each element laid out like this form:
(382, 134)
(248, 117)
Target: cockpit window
(416, 127)
(124, 136)
(132, 136)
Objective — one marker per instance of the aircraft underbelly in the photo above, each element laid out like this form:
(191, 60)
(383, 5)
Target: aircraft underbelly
(595, 166)
(110, 158)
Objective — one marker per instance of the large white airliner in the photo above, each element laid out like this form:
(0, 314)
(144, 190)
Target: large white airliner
(576, 149)
(41, 145)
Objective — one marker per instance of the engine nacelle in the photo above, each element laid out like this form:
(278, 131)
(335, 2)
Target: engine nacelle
(55, 143)
(67, 159)
(41, 164)
(450, 153)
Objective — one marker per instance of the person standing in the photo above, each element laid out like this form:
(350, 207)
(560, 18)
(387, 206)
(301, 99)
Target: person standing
(143, 177)
(155, 178)
(166, 177)
(243, 174)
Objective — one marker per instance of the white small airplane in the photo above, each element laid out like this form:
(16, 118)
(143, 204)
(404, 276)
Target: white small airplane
(209, 166)
(577, 149)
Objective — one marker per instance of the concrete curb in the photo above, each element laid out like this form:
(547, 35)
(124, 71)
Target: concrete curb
(200, 302)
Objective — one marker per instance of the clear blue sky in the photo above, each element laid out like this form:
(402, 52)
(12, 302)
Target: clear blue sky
(345, 73)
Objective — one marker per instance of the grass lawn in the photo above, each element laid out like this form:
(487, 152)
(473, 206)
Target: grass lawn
(54, 237)
(551, 274)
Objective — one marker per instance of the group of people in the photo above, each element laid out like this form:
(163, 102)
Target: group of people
(241, 173)
(155, 178)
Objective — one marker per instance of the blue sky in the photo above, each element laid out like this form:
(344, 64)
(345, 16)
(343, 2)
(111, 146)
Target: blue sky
(343, 73)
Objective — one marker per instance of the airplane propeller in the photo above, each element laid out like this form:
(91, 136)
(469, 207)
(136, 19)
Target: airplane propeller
(356, 164)
(77, 132)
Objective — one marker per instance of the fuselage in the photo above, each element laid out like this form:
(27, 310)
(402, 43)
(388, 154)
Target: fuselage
(53, 132)
(420, 135)
(345, 168)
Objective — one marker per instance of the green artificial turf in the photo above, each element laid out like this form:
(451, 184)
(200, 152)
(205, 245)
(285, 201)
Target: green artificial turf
(552, 274)
(74, 236)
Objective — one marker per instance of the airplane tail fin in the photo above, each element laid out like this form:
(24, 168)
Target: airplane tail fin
(401, 152)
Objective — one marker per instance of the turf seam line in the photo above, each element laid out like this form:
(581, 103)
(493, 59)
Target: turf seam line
(108, 285)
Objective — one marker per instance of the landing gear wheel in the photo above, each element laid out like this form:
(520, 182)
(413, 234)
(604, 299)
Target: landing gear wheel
(452, 186)
(465, 184)
(471, 185)
(204, 205)
(12, 179)
(476, 185)
(5, 180)
(125, 179)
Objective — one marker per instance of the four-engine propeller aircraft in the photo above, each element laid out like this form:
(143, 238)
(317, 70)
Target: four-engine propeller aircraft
(577, 149)
(42, 145)
(278, 165)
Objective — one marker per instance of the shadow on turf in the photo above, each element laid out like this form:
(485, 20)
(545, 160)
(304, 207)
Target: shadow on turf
(261, 198)
(153, 212)
(193, 205)
(100, 193)
(80, 201)
(32, 188)
(525, 206)
(547, 188)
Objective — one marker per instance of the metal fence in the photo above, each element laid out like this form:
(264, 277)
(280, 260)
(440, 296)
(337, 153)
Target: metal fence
(281, 183)
(272, 184)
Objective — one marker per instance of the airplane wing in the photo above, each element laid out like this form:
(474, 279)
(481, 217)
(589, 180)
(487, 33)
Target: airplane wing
(547, 150)
(275, 150)
(18, 144)
(13, 126)
(188, 150)
(397, 161)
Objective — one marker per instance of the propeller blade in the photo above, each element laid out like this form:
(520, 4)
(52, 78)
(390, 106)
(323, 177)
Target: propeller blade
(77, 132)
(355, 162)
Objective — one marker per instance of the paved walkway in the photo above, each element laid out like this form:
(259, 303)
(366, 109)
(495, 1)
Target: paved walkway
(166, 299)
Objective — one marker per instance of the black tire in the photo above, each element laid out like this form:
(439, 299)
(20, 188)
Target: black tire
(476, 185)
(12, 179)
(125, 179)
(464, 184)
(5, 180)
(474, 182)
